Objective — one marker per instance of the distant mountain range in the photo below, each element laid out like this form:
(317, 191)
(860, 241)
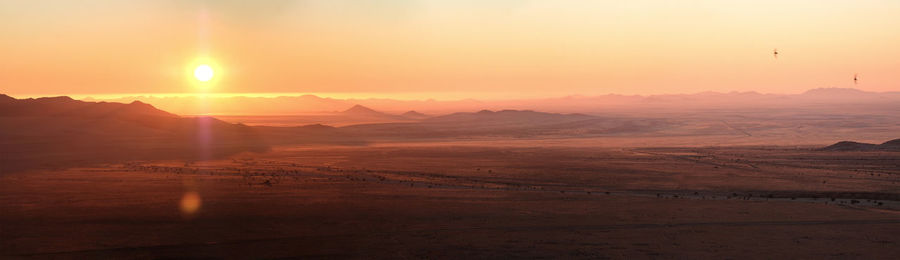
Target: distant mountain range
(823, 98)
(365, 113)
(357, 114)
(60, 131)
(412, 114)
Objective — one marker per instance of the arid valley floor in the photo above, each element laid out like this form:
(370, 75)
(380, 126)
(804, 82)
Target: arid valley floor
(464, 200)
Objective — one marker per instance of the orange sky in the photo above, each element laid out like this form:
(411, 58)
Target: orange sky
(447, 49)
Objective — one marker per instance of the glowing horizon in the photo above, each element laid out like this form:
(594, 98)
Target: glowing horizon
(448, 96)
(432, 49)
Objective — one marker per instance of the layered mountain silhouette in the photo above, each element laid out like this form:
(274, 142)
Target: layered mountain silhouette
(60, 131)
(892, 145)
(819, 100)
(412, 114)
(358, 110)
(68, 107)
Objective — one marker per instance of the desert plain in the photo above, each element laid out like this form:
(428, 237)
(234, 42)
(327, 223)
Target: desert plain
(439, 200)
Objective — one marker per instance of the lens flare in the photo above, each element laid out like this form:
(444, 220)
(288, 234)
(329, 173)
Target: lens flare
(190, 203)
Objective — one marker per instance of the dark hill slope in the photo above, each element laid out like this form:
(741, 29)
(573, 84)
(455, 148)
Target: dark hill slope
(61, 132)
(892, 145)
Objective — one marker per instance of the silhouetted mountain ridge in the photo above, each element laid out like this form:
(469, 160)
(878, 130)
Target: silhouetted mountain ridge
(64, 106)
(892, 145)
(362, 111)
(833, 99)
(6, 99)
(412, 114)
(58, 131)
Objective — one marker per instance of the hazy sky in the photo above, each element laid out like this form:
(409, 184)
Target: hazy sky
(447, 49)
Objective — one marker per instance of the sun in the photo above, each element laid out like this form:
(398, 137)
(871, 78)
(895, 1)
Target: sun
(203, 73)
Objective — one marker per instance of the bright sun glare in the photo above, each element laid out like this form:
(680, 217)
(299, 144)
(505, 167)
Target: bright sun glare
(203, 73)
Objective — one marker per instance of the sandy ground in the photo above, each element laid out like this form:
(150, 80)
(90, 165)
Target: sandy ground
(442, 201)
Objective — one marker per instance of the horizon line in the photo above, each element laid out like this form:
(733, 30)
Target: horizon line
(410, 96)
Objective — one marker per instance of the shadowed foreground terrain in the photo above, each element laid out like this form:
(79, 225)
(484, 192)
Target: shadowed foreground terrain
(420, 201)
